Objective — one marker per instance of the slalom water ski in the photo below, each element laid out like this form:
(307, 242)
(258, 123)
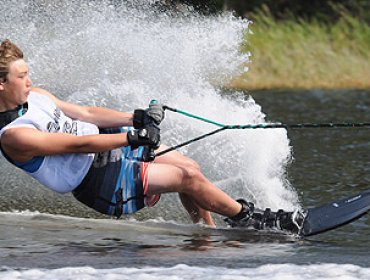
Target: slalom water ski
(310, 221)
(335, 214)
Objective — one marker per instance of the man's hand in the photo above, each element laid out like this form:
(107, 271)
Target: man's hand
(149, 136)
(143, 118)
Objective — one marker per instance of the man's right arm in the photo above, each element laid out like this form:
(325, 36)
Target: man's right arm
(22, 144)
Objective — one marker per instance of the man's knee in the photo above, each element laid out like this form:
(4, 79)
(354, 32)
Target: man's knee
(190, 163)
(194, 179)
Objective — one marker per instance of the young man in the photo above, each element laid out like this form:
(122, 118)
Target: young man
(95, 152)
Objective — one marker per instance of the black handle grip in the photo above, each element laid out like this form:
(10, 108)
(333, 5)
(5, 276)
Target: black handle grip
(148, 152)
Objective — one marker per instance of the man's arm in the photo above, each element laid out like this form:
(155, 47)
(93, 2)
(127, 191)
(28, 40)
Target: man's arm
(22, 144)
(102, 117)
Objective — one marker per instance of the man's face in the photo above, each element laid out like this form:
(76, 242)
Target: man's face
(17, 85)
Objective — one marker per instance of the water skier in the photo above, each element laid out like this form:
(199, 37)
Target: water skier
(93, 152)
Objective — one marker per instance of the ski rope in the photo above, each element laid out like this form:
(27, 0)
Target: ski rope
(253, 126)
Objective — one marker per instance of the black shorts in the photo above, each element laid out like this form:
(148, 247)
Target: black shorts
(117, 182)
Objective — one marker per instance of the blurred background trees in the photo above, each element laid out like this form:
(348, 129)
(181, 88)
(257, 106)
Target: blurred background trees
(322, 10)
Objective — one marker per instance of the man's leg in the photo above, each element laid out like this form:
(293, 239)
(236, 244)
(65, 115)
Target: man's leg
(177, 173)
(164, 178)
(196, 212)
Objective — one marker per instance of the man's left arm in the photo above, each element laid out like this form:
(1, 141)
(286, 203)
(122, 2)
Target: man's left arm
(102, 117)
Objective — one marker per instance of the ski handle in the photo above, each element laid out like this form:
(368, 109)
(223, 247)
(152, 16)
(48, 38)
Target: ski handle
(148, 152)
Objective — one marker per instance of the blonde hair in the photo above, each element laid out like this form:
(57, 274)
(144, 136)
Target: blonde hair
(9, 52)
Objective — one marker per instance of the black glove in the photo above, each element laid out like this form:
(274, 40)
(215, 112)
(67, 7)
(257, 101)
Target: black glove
(143, 118)
(149, 136)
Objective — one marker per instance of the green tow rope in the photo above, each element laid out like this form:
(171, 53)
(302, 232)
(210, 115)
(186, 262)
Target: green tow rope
(252, 126)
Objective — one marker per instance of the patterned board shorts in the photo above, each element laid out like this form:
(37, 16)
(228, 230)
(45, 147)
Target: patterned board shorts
(117, 181)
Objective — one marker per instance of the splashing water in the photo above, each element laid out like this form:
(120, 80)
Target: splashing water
(123, 55)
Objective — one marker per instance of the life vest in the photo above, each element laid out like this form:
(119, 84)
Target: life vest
(61, 173)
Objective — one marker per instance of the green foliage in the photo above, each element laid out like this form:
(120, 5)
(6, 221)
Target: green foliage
(301, 53)
(302, 44)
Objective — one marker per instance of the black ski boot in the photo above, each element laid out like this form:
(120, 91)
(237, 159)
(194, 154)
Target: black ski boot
(258, 219)
(242, 219)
